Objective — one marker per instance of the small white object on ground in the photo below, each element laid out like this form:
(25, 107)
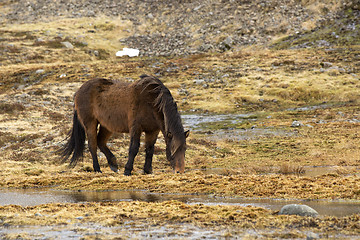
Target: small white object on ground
(131, 52)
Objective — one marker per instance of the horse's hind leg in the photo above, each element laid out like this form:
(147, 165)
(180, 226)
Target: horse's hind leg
(150, 139)
(91, 131)
(102, 137)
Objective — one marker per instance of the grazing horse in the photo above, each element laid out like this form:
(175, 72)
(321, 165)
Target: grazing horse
(103, 106)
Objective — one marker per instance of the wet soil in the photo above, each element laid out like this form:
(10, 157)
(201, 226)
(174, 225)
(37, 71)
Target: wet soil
(182, 218)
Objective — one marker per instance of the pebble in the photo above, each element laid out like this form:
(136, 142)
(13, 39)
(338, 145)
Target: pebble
(326, 64)
(21, 87)
(297, 124)
(40, 40)
(67, 45)
(199, 81)
(311, 236)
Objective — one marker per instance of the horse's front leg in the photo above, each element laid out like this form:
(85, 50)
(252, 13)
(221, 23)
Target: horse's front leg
(150, 139)
(133, 150)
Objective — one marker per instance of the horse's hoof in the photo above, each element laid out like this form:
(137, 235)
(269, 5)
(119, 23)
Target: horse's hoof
(127, 173)
(114, 168)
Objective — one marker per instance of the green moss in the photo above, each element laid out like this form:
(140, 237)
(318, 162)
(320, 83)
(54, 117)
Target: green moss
(105, 26)
(340, 32)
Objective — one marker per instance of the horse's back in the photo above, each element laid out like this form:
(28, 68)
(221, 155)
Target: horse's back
(117, 105)
(105, 101)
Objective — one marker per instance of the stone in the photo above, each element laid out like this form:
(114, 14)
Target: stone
(297, 209)
(296, 124)
(67, 45)
(40, 40)
(199, 81)
(311, 236)
(326, 64)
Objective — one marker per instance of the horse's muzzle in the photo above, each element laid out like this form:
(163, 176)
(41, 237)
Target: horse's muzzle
(179, 170)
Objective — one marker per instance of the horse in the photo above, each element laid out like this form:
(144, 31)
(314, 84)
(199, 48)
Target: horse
(104, 106)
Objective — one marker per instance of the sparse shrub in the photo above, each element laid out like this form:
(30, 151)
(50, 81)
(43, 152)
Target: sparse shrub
(10, 108)
(105, 26)
(33, 171)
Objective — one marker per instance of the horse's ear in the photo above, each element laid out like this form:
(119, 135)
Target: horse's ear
(187, 133)
(169, 135)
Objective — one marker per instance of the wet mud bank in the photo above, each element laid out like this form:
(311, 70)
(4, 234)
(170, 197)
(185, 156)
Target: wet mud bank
(171, 219)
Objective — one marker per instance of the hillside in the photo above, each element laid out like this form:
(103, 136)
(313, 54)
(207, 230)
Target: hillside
(188, 27)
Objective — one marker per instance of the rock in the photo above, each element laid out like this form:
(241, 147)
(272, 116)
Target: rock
(300, 210)
(311, 236)
(226, 44)
(326, 64)
(197, 8)
(39, 40)
(297, 124)
(67, 45)
(199, 81)
(205, 47)
(21, 87)
(40, 71)
(228, 41)
(323, 43)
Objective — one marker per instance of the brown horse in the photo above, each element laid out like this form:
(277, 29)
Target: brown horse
(143, 106)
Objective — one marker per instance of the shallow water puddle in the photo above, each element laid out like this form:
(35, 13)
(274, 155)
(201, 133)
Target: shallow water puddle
(199, 121)
(128, 230)
(32, 197)
(227, 126)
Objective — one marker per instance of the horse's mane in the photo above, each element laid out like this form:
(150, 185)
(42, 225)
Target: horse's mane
(163, 102)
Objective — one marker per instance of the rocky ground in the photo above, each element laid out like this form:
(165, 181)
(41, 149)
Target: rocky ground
(188, 27)
(269, 90)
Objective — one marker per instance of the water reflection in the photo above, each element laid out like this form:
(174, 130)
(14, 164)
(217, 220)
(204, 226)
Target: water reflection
(226, 126)
(34, 197)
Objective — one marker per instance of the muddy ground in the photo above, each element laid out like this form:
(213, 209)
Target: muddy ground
(279, 120)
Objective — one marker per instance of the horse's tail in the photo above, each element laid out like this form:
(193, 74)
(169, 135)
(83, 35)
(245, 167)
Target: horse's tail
(75, 143)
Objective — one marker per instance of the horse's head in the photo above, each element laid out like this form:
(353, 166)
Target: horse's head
(175, 150)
